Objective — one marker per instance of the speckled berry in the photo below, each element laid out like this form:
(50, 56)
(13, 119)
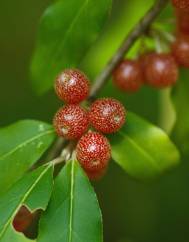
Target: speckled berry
(128, 76)
(143, 60)
(107, 115)
(181, 4)
(93, 152)
(72, 86)
(96, 175)
(71, 121)
(180, 49)
(161, 70)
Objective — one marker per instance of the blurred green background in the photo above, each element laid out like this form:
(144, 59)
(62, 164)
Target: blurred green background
(132, 211)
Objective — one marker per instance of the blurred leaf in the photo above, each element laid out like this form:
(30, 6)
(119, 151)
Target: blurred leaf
(73, 213)
(67, 30)
(21, 144)
(13, 236)
(142, 149)
(33, 191)
(180, 97)
(125, 15)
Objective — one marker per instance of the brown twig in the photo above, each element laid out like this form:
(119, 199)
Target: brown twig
(140, 28)
(56, 149)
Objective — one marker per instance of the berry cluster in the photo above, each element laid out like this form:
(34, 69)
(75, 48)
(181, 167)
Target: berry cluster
(106, 115)
(158, 70)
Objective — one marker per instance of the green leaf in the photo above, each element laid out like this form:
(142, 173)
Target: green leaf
(143, 150)
(33, 191)
(21, 145)
(180, 97)
(73, 214)
(67, 31)
(13, 236)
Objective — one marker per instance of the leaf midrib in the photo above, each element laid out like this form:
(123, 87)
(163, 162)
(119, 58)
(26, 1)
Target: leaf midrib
(22, 200)
(143, 151)
(71, 200)
(69, 29)
(26, 143)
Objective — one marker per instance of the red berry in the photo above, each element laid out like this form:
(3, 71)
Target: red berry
(182, 21)
(181, 4)
(128, 76)
(72, 86)
(22, 219)
(96, 175)
(107, 115)
(93, 151)
(180, 49)
(143, 60)
(71, 121)
(161, 70)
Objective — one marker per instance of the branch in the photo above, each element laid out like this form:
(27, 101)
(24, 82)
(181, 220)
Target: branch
(130, 39)
(56, 149)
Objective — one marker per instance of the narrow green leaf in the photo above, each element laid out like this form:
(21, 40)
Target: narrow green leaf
(67, 30)
(21, 145)
(33, 190)
(13, 236)
(143, 150)
(180, 99)
(73, 214)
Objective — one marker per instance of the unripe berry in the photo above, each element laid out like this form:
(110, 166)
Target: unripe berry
(93, 152)
(22, 219)
(180, 49)
(181, 4)
(107, 115)
(72, 86)
(128, 76)
(71, 121)
(161, 70)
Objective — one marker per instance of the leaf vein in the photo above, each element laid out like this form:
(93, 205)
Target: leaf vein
(69, 30)
(143, 151)
(71, 201)
(26, 143)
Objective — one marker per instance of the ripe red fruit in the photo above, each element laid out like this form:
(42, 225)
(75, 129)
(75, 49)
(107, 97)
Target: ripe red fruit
(96, 175)
(93, 152)
(72, 86)
(161, 70)
(143, 60)
(180, 50)
(181, 4)
(182, 21)
(71, 121)
(107, 115)
(128, 76)
(22, 219)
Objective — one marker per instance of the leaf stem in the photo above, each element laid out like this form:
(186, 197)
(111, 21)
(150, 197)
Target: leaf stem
(65, 155)
(57, 148)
